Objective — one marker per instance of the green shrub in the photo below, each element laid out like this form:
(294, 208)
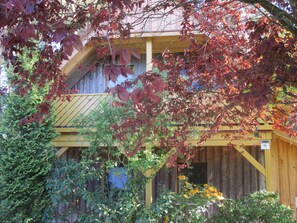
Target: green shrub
(104, 204)
(26, 154)
(188, 204)
(258, 207)
(110, 205)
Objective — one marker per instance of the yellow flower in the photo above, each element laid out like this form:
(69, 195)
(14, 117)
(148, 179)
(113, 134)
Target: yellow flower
(192, 191)
(186, 196)
(212, 189)
(182, 177)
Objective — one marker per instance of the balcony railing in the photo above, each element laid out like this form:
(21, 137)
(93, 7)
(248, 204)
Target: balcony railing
(68, 111)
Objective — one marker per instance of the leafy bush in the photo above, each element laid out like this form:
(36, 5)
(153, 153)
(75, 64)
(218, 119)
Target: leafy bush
(113, 205)
(258, 207)
(68, 184)
(68, 187)
(189, 204)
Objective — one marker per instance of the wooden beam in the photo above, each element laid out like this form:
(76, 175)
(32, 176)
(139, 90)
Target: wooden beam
(268, 169)
(71, 144)
(224, 142)
(149, 54)
(82, 67)
(73, 140)
(235, 128)
(76, 59)
(148, 173)
(198, 36)
(192, 128)
(251, 159)
(61, 151)
(152, 172)
(70, 138)
(67, 129)
(67, 139)
(149, 188)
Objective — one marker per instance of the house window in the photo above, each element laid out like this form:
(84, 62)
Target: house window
(117, 177)
(196, 173)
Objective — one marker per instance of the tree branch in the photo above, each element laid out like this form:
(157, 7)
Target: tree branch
(287, 20)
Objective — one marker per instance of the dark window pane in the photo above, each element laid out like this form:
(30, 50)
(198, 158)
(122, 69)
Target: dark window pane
(197, 173)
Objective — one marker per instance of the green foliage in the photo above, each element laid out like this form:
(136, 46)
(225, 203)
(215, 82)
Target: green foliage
(26, 155)
(98, 127)
(69, 183)
(189, 203)
(69, 189)
(99, 131)
(174, 207)
(259, 207)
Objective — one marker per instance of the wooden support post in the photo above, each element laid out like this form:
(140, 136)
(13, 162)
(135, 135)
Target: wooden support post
(149, 54)
(149, 188)
(251, 159)
(268, 169)
(152, 172)
(61, 151)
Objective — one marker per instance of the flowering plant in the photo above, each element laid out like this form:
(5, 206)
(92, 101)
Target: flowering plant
(205, 193)
(191, 202)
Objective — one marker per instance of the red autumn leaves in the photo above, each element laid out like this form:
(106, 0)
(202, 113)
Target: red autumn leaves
(152, 84)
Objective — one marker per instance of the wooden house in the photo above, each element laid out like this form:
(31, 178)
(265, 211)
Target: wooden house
(234, 171)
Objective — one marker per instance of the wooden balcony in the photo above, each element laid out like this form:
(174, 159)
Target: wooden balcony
(69, 111)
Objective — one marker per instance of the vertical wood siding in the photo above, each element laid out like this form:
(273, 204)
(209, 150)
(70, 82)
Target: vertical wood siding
(284, 169)
(227, 170)
(94, 81)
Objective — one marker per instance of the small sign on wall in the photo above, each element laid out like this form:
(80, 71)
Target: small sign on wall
(265, 144)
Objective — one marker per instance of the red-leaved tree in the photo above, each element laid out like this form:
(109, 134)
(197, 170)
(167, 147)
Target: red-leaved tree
(245, 70)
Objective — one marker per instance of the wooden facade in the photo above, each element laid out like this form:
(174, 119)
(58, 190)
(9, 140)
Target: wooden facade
(284, 169)
(227, 170)
(234, 171)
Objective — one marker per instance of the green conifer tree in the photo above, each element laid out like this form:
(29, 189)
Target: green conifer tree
(26, 153)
